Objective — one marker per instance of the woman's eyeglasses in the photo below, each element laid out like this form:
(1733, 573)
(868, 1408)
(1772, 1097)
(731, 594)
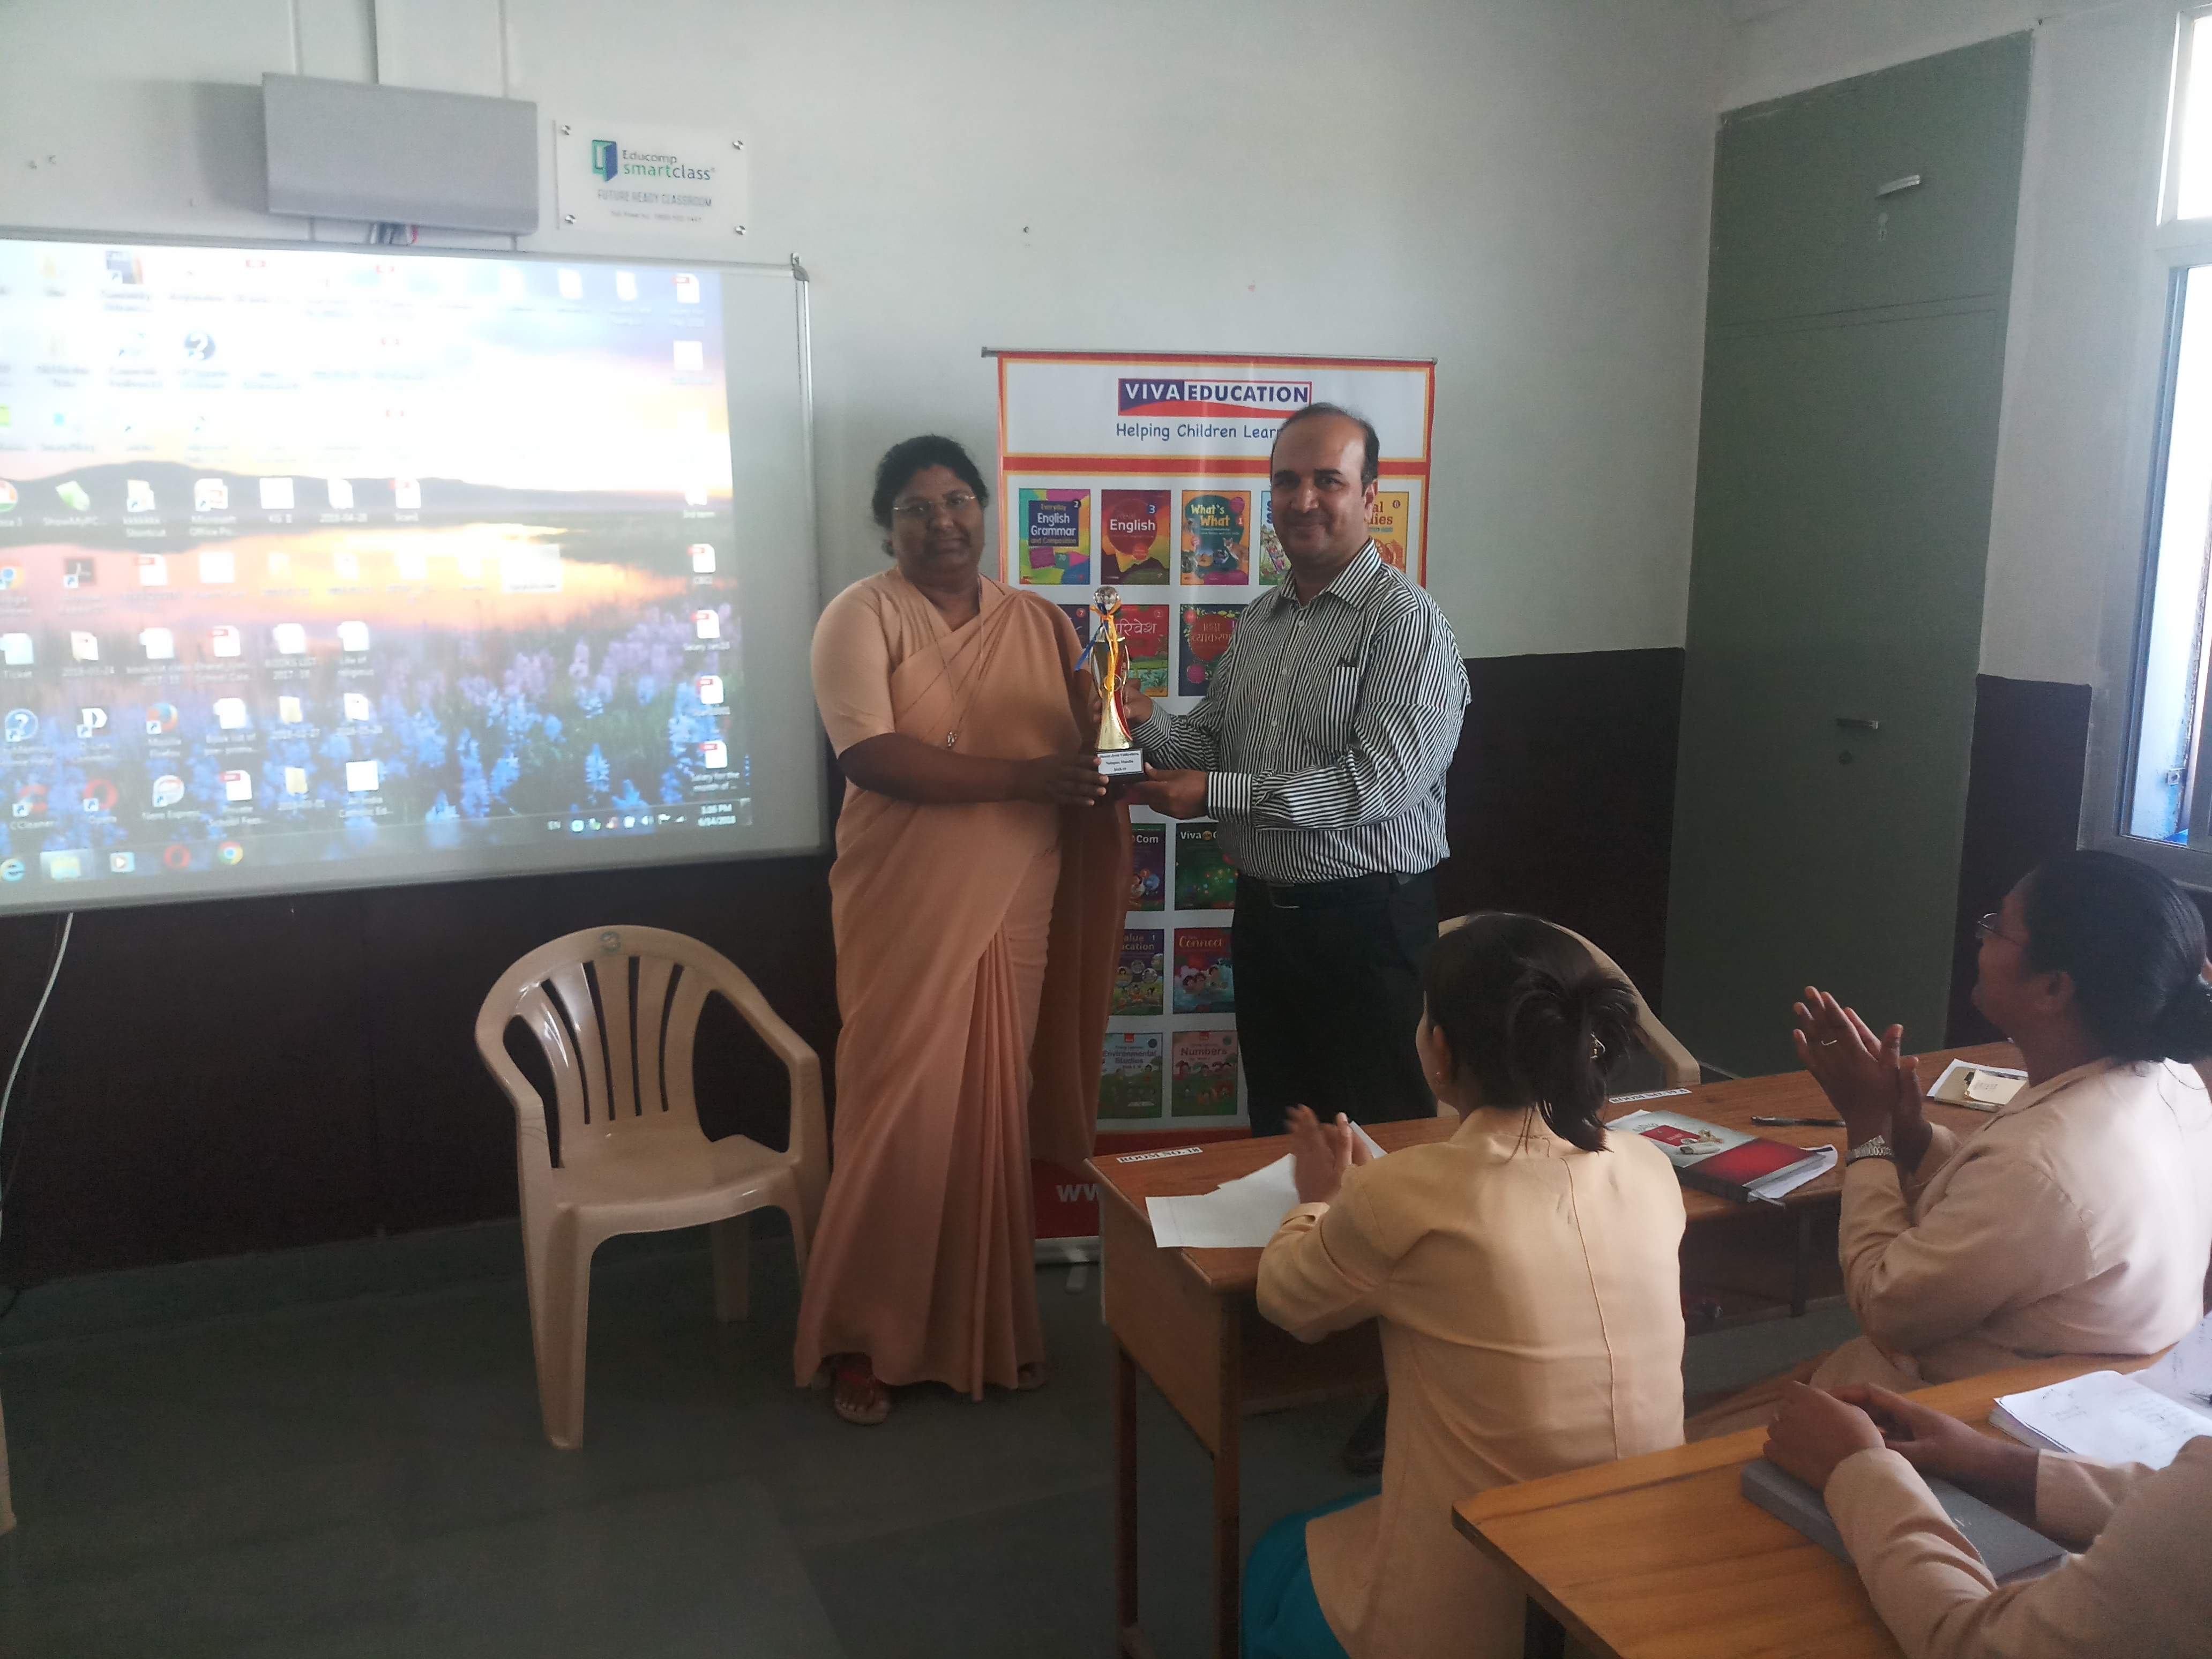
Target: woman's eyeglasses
(922, 512)
(1992, 927)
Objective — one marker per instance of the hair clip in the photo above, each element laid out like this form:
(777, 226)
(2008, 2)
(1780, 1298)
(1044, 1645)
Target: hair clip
(1597, 1048)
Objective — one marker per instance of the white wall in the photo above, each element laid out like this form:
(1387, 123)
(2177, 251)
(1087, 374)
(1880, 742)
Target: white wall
(1518, 188)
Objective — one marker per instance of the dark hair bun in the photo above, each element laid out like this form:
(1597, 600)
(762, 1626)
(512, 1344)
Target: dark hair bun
(2183, 1030)
(2133, 943)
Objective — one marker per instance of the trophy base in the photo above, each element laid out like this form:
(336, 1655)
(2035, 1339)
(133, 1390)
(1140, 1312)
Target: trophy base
(1120, 762)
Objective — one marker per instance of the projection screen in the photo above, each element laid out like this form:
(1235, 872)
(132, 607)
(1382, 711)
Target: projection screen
(344, 566)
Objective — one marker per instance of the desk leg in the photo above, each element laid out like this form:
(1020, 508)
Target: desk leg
(1125, 1491)
(1542, 1637)
(1229, 1496)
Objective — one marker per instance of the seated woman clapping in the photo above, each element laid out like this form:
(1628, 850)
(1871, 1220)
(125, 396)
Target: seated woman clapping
(2143, 1587)
(1524, 1272)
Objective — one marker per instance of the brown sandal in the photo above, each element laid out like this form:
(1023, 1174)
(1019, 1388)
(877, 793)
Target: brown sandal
(855, 1393)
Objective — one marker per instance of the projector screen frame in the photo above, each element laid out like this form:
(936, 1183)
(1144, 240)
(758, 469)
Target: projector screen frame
(271, 881)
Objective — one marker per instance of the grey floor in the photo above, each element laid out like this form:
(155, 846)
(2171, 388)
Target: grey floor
(223, 1461)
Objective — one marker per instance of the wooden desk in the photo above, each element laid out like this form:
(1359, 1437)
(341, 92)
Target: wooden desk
(1189, 1318)
(1663, 1556)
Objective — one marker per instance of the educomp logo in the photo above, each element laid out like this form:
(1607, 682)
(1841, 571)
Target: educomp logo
(1278, 398)
(609, 163)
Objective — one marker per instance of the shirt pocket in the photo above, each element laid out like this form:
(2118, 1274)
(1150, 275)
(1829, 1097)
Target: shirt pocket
(1323, 717)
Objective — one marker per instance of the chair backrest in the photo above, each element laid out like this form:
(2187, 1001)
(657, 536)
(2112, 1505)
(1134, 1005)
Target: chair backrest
(1676, 1063)
(615, 1011)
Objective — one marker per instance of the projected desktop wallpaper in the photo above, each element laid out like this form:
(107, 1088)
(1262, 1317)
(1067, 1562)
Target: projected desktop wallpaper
(315, 557)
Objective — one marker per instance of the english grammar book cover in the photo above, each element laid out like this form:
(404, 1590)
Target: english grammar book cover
(1201, 974)
(1145, 631)
(1205, 1074)
(1206, 631)
(1136, 530)
(1390, 525)
(1148, 868)
(1204, 880)
(1055, 537)
(1138, 979)
(1130, 1072)
(1217, 537)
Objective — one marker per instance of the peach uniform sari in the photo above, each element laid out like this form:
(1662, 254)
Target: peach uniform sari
(974, 945)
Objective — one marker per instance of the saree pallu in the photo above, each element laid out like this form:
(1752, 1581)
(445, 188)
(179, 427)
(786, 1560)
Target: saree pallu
(974, 945)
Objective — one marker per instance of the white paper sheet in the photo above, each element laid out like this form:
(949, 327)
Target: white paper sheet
(1239, 1214)
(1951, 1088)
(2105, 1416)
(1780, 1187)
(2185, 1373)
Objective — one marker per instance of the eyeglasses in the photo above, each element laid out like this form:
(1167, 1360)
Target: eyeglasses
(956, 505)
(1990, 927)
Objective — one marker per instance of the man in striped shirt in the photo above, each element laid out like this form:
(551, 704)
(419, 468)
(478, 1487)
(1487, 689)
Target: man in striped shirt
(1321, 750)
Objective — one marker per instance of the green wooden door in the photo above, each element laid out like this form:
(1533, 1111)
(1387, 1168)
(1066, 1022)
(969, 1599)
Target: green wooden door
(1845, 470)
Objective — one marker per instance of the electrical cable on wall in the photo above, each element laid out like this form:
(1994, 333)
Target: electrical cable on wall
(8, 1093)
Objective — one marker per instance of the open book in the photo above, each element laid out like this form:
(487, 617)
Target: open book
(2145, 1418)
(1728, 1161)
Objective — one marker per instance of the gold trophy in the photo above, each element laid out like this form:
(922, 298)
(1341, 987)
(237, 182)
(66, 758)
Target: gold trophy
(1118, 754)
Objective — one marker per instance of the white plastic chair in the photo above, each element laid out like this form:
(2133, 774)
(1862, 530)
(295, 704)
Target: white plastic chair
(632, 1158)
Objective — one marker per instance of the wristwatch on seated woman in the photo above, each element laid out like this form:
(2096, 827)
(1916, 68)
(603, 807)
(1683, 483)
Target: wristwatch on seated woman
(1877, 1146)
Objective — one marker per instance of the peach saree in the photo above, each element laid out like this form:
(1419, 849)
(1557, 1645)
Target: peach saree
(974, 945)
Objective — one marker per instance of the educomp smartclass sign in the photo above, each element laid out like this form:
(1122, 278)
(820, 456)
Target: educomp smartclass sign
(678, 187)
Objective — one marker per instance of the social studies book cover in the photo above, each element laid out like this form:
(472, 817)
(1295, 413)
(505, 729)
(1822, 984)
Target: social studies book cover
(1203, 984)
(1055, 537)
(1130, 1072)
(1273, 561)
(1390, 523)
(1205, 1074)
(1082, 616)
(1143, 969)
(1148, 868)
(1206, 631)
(1217, 537)
(1145, 631)
(1203, 878)
(1136, 535)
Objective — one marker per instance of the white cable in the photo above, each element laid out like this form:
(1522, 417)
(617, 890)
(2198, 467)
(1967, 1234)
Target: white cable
(61, 949)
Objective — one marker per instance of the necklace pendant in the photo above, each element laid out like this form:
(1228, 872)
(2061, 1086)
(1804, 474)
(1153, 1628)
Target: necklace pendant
(951, 738)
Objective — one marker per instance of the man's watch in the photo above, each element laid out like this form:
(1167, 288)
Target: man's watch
(1878, 1146)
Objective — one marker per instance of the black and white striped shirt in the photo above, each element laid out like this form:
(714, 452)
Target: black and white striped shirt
(1326, 729)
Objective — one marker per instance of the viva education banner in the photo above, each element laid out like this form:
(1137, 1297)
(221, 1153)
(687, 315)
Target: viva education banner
(1149, 474)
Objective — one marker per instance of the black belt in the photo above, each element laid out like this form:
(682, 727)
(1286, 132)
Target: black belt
(1324, 894)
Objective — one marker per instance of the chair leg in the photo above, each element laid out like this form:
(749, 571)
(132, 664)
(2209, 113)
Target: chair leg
(6, 1512)
(796, 1211)
(559, 1274)
(731, 1245)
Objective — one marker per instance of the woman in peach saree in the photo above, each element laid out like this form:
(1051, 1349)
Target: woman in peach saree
(977, 898)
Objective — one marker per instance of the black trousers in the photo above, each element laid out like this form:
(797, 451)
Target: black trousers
(1328, 992)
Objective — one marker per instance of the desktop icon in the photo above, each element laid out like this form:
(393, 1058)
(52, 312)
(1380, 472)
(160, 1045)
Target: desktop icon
(122, 864)
(708, 625)
(230, 714)
(280, 567)
(687, 289)
(412, 563)
(341, 494)
(238, 786)
(694, 494)
(19, 725)
(358, 708)
(290, 639)
(97, 798)
(277, 494)
(15, 651)
(7, 495)
(572, 284)
(218, 565)
(11, 869)
(84, 648)
(224, 641)
(160, 718)
(11, 576)
(702, 559)
(80, 572)
(211, 495)
(471, 565)
(690, 356)
(89, 720)
(713, 754)
(625, 285)
(137, 495)
(30, 801)
(176, 856)
(291, 711)
(229, 853)
(168, 790)
(199, 346)
(68, 866)
(160, 644)
(361, 777)
(295, 780)
(73, 496)
(407, 495)
(124, 268)
(153, 570)
(709, 688)
(575, 826)
(353, 637)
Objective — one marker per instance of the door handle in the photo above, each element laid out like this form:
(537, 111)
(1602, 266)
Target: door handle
(1857, 723)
